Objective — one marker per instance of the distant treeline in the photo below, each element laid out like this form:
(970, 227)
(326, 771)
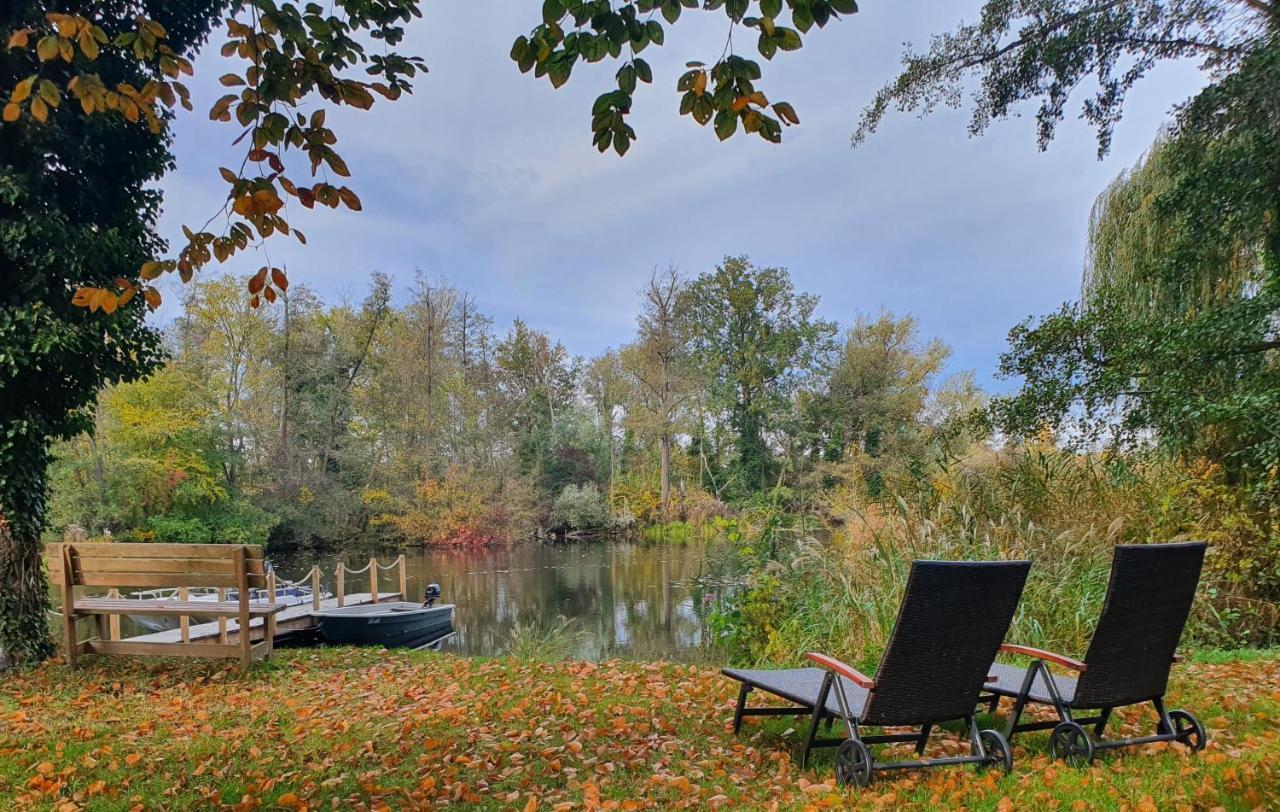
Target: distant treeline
(317, 423)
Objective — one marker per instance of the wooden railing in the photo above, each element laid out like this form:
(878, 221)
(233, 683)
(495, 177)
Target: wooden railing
(373, 567)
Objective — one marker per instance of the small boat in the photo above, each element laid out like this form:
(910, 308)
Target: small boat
(395, 623)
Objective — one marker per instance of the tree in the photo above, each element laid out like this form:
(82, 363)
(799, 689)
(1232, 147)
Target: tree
(660, 364)
(81, 218)
(756, 340)
(536, 378)
(1174, 337)
(605, 382)
(881, 382)
(1043, 50)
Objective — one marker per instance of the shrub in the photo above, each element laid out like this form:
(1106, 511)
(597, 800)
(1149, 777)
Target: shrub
(580, 507)
(463, 508)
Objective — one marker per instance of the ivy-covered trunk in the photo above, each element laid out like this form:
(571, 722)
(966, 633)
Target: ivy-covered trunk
(24, 593)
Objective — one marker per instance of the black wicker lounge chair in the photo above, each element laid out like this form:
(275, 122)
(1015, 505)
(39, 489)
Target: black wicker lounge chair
(1128, 661)
(952, 619)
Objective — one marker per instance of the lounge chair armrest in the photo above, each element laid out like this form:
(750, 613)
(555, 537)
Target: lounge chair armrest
(847, 671)
(1041, 654)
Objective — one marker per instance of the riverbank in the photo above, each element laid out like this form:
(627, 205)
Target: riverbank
(362, 729)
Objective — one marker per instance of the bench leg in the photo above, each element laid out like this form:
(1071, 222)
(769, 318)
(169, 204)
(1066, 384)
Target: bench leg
(271, 635)
(69, 636)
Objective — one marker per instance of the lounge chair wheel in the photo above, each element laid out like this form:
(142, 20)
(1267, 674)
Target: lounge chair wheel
(1071, 743)
(853, 763)
(1188, 730)
(999, 753)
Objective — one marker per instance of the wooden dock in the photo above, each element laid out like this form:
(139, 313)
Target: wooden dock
(290, 620)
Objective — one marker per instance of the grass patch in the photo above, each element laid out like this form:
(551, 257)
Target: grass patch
(359, 728)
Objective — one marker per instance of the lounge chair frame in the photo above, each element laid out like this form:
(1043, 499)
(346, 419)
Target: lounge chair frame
(1169, 571)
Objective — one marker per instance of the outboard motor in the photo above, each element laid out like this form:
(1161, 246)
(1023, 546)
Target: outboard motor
(433, 595)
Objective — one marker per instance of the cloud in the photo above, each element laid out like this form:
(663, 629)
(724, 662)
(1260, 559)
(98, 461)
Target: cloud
(488, 177)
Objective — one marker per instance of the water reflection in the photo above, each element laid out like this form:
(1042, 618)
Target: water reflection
(637, 600)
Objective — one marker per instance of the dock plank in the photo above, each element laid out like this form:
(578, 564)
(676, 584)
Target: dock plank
(291, 618)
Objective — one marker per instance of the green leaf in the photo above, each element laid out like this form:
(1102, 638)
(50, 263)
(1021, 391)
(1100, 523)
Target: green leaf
(726, 124)
(771, 8)
(802, 18)
(627, 78)
(552, 11)
(656, 33)
(844, 6)
(788, 39)
(671, 11)
(621, 143)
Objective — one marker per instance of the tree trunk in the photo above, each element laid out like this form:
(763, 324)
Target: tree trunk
(666, 476)
(24, 594)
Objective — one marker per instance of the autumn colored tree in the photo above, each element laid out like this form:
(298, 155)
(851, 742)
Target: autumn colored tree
(660, 365)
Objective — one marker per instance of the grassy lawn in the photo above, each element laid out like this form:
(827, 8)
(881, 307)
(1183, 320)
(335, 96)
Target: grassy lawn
(361, 729)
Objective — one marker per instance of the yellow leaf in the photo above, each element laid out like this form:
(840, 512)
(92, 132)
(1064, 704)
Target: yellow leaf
(152, 296)
(23, 89)
(12, 112)
(39, 110)
(47, 48)
(88, 44)
(20, 38)
(700, 84)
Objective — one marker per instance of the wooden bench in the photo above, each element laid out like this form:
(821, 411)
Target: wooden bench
(223, 566)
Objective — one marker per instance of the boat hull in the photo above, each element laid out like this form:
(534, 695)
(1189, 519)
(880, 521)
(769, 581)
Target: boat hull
(384, 624)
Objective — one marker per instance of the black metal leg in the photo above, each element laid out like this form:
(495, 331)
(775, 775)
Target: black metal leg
(1165, 725)
(1103, 716)
(819, 711)
(1021, 702)
(975, 738)
(742, 705)
(923, 740)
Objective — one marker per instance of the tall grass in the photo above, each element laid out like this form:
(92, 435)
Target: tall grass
(1064, 512)
(545, 641)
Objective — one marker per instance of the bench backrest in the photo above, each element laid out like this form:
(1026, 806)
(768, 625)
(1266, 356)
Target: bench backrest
(157, 565)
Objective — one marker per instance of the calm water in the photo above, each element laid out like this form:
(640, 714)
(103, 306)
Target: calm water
(629, 599)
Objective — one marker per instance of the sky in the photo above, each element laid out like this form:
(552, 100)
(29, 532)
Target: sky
(487, 177)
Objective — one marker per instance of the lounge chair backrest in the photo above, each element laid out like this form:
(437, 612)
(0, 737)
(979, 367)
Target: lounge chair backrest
(952, 621)
(1148, 600)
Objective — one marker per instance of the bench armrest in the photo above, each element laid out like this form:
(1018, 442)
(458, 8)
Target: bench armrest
(847, 671)
(1047, 656)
